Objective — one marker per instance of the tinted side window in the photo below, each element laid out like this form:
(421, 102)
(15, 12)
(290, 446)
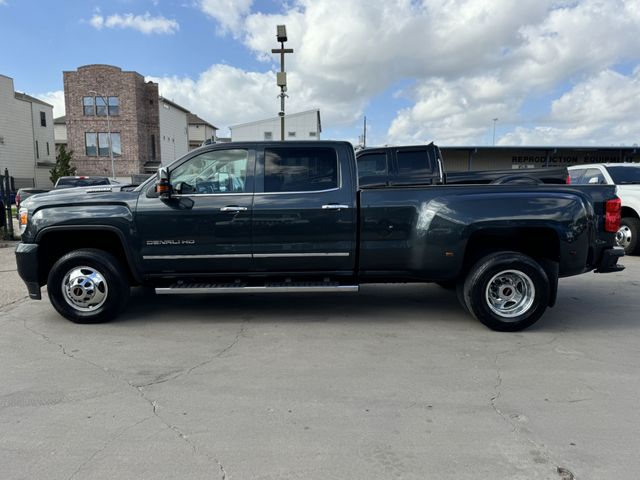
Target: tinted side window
(300, 169)
(372, 164)
(413, 162)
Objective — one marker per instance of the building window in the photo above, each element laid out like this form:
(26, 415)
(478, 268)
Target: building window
(116, 146)
(48, 149)
(97, 144)
(88, 106)
(103, 144)
(37, 150)
(268, 135)
(43, 119)
(114, 106)
(313, 134)
(291, 134)
(91, 144)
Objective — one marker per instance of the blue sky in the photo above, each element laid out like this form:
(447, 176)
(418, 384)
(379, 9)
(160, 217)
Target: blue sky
(551, 71)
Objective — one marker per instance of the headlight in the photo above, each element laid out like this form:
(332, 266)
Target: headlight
(24, 218)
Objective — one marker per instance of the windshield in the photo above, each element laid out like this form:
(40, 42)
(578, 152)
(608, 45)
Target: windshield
(625, 175)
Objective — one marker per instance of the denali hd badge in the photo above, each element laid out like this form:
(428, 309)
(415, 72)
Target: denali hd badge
(151, 243)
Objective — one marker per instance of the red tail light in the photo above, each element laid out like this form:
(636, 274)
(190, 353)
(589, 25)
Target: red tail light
(612, 215)
(17, 199)
(568, 179)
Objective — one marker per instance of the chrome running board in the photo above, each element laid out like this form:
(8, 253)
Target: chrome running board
(270, 287)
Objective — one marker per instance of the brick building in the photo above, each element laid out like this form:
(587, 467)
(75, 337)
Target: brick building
(96, 95)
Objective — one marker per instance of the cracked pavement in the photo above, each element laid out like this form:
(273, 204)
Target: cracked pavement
(396, 382)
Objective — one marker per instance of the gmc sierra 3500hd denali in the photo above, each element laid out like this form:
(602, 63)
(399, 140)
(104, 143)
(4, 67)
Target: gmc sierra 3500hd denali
(293, 217)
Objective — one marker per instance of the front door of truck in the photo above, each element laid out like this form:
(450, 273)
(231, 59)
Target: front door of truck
(304, 214)
(205, 227)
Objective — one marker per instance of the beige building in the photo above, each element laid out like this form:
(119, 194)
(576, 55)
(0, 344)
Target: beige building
(199, 131)
(60, 131)
(26, 136)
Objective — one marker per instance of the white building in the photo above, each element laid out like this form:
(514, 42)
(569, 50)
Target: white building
(174, 140)
(27, 145)
(297, 126)
(199, 131)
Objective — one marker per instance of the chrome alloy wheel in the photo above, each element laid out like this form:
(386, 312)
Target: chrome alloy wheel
(623, 236)
(510, 293)
(84, 288)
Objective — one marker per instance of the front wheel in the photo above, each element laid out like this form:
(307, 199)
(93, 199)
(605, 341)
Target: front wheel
(507, 291)
(88, 286)
(627, 235)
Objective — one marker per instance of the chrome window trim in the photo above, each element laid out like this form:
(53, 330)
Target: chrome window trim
(180, 195)
(300, 192)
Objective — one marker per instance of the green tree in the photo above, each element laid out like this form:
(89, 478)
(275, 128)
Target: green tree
(63, 166)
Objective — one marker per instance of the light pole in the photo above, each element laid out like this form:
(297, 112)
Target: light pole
(494, 130)
(281, 76)
(106, 104)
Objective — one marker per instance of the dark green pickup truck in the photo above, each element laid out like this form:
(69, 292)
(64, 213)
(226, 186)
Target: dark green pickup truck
(263, 217)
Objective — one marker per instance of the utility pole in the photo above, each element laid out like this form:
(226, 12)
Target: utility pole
(281, 76)
(364, 135)
(494, 130)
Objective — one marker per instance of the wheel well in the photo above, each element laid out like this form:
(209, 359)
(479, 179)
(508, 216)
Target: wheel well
(629, 212)
(55, 244)
(538, 243)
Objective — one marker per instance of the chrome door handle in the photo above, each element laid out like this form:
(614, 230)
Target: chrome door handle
(334, 206)
(233, 208)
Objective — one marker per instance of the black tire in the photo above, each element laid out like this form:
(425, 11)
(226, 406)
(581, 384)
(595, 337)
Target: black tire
(511, 277)
(627, 235)
(95, 293)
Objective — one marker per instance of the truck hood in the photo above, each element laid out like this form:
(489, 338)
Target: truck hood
(76, 195)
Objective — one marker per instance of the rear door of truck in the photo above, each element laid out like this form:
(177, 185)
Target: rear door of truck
(305, 211)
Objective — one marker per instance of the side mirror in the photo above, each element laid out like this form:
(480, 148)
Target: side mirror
(163, 187)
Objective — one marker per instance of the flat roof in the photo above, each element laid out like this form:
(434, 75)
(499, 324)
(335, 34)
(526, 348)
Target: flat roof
(297, 114)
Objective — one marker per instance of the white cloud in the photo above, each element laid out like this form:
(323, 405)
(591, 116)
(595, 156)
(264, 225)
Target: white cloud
(602, 110)
(146, 23)
(467, 61)
(228, 13)
(55, 98)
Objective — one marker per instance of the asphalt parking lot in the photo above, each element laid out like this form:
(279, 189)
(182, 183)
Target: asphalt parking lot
(394, 383)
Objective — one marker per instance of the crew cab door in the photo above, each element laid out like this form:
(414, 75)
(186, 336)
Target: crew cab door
(304, 213)
(205, 227)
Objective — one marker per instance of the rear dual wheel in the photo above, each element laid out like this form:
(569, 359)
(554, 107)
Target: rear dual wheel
(627, 235)
(506, 291)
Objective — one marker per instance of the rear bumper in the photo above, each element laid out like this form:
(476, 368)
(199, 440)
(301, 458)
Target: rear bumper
(609, 261)
(27, 261)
